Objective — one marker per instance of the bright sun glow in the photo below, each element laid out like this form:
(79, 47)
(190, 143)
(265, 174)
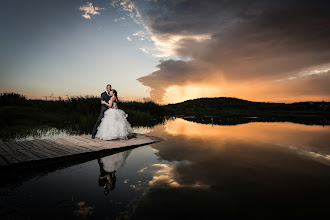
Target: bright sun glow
(176, 94)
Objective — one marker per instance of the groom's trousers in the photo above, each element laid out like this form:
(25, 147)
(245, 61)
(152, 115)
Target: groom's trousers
(103, 109)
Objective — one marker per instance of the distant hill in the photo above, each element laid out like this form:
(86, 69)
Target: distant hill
(239, 107)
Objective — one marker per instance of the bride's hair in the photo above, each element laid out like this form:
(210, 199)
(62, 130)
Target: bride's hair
(115, 93)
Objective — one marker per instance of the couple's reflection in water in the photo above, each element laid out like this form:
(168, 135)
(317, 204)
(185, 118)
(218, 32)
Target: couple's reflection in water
(108, 167)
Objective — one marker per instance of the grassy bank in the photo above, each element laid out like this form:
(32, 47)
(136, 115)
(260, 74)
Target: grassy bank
(19, 115)
(230, 111)
(237, 107)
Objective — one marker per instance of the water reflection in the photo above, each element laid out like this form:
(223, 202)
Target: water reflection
(260, 170)
(322, 119)
(83, 210)
(254, 169)
(310, 138)
(108, 167)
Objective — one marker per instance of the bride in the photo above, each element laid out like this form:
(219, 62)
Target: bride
(114, 124)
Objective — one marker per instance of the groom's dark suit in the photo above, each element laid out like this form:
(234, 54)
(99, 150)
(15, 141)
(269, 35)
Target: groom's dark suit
(106, 97)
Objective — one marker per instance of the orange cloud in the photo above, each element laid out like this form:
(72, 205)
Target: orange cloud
(255, 51)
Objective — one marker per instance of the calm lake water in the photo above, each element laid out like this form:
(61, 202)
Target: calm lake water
(259, 169)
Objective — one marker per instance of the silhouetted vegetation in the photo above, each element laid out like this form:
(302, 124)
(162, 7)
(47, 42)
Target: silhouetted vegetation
(76, 114)
(10, 98)
(20, 116)
(233, 106)
(235, 111)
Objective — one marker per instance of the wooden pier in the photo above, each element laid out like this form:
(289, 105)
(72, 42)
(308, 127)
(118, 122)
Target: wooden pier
(14, 153)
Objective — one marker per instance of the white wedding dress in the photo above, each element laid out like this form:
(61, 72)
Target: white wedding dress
(114, 125)
(115, 161)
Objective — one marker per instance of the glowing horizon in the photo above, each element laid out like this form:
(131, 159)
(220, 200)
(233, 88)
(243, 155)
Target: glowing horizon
(68, 49)
(179, 100)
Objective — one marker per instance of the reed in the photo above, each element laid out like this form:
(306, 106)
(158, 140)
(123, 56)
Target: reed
(11, 98)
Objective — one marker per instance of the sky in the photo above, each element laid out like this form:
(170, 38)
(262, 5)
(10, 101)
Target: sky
(167, 51)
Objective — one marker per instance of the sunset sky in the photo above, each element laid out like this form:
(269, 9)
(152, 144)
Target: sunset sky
(167, 50)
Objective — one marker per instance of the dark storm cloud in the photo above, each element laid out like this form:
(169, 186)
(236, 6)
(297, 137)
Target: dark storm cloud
(172, 72)
(272, 44)
(249, 40)
(199, 17)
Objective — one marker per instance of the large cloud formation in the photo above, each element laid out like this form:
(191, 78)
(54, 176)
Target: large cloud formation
(255, 49)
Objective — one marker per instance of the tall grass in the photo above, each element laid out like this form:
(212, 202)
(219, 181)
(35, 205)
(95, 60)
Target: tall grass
(10, 98)
(77, 114)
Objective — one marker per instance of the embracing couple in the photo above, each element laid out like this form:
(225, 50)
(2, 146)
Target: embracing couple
(112, 122)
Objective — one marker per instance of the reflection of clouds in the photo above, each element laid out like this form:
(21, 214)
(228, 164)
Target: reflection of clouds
(322, 158)
(83, 211)
(143, 169)
(245, 153)
(163, 176)
(139, 186)
(208, 168)
(166, 176)
(160, 165)
(308, 137)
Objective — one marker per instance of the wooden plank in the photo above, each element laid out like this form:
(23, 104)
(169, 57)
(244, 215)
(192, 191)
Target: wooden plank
(10, 158)
(75, 146)
(19, 149)
(48, 148)
(3, 162)
(97, 140)
(104, 143)
(34, 150)
(29, 154)
(17, 155)
(92, 145)
(25, 151)
(68, 146)
(89, 140)
(13, 145)
(2, 151)
(42, 150)
(113, 144)
(12, 149)
(53, 146)
(80, 143)
(76, 142)
(107, 143)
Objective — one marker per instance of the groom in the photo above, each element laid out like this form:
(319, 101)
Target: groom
(106, 97)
